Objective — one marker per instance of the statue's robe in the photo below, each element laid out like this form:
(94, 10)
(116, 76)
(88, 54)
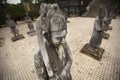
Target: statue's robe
(97, 34)
(29, 21)
(12, 25)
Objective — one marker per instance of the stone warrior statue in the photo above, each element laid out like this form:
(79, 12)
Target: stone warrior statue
(53, 58)
(30, 25)
(110, 14)
(11, 23)
(93, 48)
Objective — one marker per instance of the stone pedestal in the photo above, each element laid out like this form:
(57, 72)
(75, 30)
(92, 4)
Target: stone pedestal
(16, 38)
(94, 53)
(31, 33)
(110, 28)
(106, 36)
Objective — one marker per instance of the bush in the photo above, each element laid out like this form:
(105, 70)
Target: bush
(16, 11)
(33, 14)
(2, 17)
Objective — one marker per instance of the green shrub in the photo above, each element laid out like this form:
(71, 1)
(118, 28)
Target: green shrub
(16, 11)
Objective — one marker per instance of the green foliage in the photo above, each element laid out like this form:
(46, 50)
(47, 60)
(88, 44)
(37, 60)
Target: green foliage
(16, 11)
(26, 1)
(2, 17)
(2, 11)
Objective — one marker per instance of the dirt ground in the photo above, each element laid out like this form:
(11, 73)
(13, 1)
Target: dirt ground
(16, 58)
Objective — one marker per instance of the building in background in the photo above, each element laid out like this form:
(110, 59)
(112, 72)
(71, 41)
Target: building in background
(74, 7)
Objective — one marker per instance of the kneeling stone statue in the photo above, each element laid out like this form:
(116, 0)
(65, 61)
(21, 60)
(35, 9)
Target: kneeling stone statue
(53, 59)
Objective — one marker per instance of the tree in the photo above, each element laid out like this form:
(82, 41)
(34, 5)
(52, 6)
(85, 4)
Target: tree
(27, 4)
(3, 11)
(16, 11)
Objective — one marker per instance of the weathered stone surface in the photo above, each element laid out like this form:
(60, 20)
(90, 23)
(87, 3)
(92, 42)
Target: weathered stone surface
(51, 31)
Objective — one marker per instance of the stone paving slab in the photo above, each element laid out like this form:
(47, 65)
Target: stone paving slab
(16, 58)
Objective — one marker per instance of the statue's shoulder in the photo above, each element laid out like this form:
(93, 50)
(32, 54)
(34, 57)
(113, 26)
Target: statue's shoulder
(97, 19)
(39, 20)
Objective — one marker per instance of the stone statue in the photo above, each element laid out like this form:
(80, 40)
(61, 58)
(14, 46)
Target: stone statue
(53, 59)
(93, 48)
(30, 25)
(110, 14)
(11, 23)
(86, 11)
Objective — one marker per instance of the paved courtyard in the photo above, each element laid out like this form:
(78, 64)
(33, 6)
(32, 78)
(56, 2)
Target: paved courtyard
(16, 58)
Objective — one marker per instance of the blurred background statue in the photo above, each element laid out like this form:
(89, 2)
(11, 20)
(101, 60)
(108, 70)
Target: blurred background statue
(11, 23)
(93, 48)
(30, 25)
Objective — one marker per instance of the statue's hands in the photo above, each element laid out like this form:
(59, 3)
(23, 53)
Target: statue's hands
(55, 77)
(63, 75)
(60, 76)
(105, 29)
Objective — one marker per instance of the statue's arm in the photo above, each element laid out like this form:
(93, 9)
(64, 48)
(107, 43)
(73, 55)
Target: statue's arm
(47, 21)
(43, 48)
(97, 25)
(68, 54)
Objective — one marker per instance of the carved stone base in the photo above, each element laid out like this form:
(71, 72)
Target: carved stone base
(31, 33)
(106, 36)
(16, 38)
(94, 53)
(110, 28)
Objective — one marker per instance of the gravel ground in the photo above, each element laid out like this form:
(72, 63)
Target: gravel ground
(16, 58)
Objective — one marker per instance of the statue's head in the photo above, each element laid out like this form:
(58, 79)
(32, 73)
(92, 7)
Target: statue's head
(101, 12)
(8, 17)
(26, 14)
(110, 14)
(55, 6)
(43, 9)
(114, 11)
(58, 29)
